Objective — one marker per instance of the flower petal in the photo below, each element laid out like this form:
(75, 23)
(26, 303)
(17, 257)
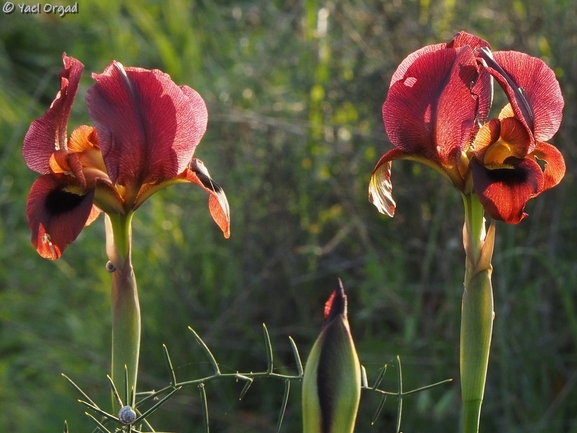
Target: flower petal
(504, 192)
(56, 215)
(218, 206)
(517, 137)
(83, 145)
(483, 86)
(554, 164)
(381, 187)
(498, 140)
(532, 89)
(463, 38)
(487, 135)
(49, 132)
(411, 58)
(148, 127)
(460, 40)
(431, 111)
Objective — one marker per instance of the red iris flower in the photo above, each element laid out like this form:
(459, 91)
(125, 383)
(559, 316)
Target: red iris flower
(436, 112)
(146, 130)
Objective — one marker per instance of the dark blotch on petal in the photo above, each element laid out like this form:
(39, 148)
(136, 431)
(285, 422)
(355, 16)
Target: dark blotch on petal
(509, 176)
(56, 216)
(60, 201)
(504, 192)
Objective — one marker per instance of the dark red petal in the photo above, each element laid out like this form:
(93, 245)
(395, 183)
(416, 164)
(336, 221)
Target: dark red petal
(483, 90)
(540, 89)
(217, 201)
(49, 132)
(336, 305)
(460, 40)
(554, 164)
(430, 111)
(148, 127)
(411, 58)
(483, 86)
(55, 216)
(463, 38)
(199, 113)
(504, 192)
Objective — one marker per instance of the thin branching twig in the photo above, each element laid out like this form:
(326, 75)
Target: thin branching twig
(249, 378)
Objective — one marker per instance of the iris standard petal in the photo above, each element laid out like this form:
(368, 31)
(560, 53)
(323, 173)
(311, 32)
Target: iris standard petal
(463, 38)
(48, 133)
(147, 126)
(56, 214)
(430, 111)
(532, 89)
(460, 40)
(482, 88)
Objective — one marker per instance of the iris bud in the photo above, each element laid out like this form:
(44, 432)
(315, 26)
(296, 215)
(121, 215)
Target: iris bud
(332, 377)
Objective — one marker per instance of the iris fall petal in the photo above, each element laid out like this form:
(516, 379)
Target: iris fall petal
(56, 214)
(504, 192)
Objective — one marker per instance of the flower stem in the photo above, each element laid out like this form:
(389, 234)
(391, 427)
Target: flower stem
(477, 312)
(125, 306)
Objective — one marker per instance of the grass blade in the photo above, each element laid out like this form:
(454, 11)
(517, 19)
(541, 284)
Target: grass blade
(100, 411)
(380, 377)
(400, 391)
(287, 388)
(169, 365)
(114, 391)
(206, 351)
(88, 399)
(379, 409)
(204, 405)
(422, 388)
(127, 394)
(99, 425)
(148, 426)
(269, 352)
(245, 388)
(152, 408)
(297, 357)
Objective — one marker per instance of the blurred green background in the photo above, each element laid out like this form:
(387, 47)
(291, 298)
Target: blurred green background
(294, 90)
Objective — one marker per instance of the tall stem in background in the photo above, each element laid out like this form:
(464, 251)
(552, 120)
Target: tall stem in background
(126, 325)
(477, 311)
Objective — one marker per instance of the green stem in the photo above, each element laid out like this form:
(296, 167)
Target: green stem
(477, 312)
(125, 306)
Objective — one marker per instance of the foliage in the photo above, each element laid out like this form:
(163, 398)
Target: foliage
(294, 90)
